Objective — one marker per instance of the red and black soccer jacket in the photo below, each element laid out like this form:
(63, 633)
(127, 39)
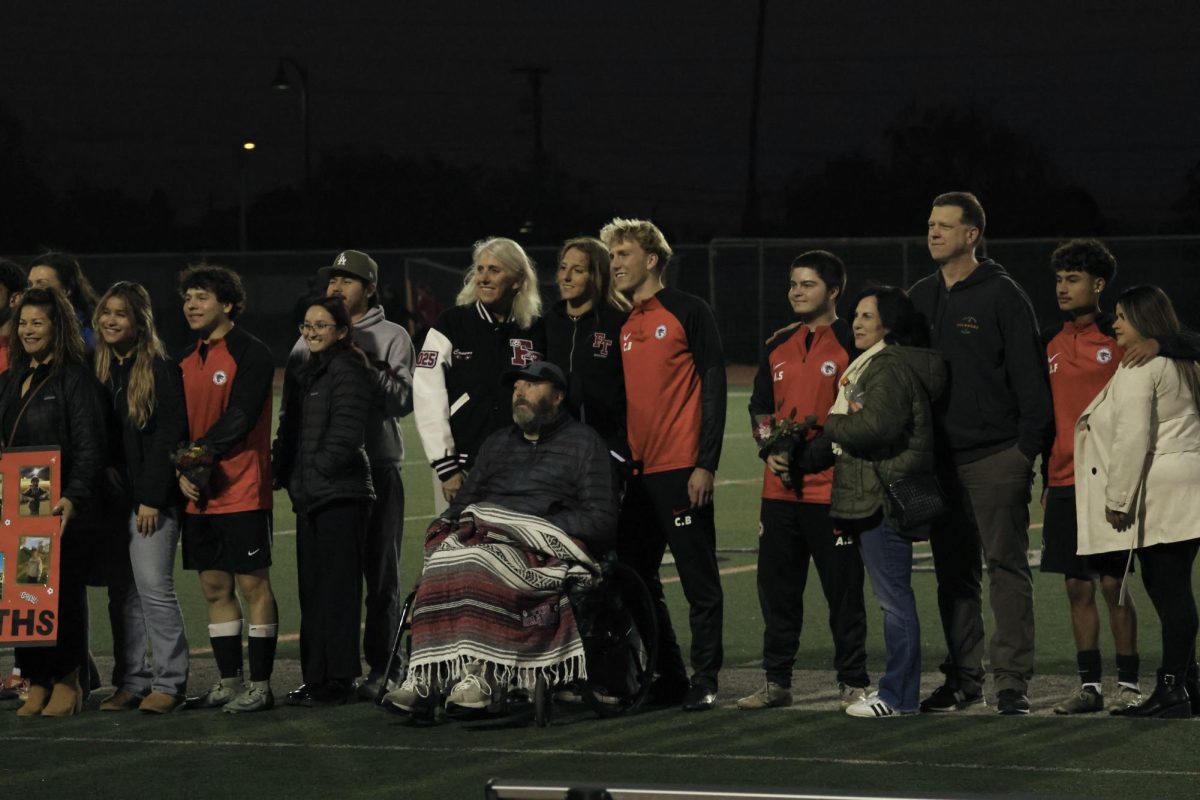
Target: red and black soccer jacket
(1081, 360)
(674, 383)
(801, 369)
(227, 386)
(457, 395)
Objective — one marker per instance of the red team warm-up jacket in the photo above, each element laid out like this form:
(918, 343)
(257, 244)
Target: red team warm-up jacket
(801, 373)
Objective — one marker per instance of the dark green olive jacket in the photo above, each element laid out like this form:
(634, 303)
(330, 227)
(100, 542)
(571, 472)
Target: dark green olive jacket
(893, 431)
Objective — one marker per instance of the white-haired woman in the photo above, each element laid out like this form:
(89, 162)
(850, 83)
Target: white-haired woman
(457, 395)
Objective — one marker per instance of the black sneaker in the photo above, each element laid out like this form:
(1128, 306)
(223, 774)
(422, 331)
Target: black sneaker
(946, 699)
(700, 696)
(1011, 702)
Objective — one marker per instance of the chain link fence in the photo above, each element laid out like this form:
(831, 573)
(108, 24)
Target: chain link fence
(745, 280)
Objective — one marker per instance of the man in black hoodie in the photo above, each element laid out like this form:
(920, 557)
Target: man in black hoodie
(992, 422)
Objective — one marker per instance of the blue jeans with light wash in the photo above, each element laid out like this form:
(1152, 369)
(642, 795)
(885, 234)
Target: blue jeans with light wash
(888, 558)
(145, 613)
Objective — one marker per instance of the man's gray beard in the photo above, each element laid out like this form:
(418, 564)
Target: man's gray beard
(533, 417)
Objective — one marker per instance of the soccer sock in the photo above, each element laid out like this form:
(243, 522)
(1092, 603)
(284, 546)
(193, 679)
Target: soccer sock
(1089, 667)
(1128, 668)
(226, 640)
(263, 639)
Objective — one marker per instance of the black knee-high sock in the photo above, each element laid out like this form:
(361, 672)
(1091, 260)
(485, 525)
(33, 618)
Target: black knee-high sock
(263, 639)
(226, 640)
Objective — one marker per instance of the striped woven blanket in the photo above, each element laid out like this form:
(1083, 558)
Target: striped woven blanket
(494, 592)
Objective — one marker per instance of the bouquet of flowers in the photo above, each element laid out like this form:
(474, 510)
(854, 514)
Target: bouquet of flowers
(195, 462)
(781, 436)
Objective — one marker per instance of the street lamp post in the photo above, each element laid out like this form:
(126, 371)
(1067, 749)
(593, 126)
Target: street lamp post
(283, 83)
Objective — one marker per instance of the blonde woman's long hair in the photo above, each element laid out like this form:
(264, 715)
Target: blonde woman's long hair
(599, 268)
(527, 305)
(140, 395)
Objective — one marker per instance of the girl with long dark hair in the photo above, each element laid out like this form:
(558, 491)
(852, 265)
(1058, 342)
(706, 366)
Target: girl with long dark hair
(318, 456)
(1137, 465)
(49, 396)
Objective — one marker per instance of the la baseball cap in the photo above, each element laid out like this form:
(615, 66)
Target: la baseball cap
(355, 263)
(537, 371)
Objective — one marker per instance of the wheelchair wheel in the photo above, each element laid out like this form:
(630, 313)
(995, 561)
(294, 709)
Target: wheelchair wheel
(541, 702)
(623, 653)
(398, 658)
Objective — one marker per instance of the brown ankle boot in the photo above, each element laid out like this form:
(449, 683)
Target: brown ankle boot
(67, 698)
(35, 701)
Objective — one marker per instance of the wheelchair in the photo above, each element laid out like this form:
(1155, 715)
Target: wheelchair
(616, 621)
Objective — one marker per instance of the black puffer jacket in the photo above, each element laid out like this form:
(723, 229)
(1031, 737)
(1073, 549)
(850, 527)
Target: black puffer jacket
(318, 453)
(145, 454)
(563, 477)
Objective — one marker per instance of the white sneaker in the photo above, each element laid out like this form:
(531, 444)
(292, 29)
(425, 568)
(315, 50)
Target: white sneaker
(412, 695)
(473, 691)
(849, 695)
(871, 707)
(219, 694)
(256, 696)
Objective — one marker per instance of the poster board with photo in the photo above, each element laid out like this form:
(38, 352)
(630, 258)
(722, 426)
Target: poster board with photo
(29, 544)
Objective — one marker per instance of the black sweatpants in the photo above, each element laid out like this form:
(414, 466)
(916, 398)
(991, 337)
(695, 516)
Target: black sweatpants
(657, 512)
(328, 542)
(45, 665)
(1167, 576)
(380, 557)
(792, 535)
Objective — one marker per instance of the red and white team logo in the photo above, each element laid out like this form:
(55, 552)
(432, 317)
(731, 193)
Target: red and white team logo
(1104, 355)
(601, 343)
(522, 352)
(829, 369)
(660, 332)
(427, 359)
(219, 377)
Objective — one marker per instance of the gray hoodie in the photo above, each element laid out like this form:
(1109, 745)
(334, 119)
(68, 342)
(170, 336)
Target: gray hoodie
(390, 351)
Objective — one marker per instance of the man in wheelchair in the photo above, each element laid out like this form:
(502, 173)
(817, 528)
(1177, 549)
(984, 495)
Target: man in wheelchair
(491, 610)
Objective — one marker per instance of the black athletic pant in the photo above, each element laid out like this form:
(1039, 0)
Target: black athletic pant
(380, 557)
(1167, 576)
(327, 548)
(793, 534)
(657, 512)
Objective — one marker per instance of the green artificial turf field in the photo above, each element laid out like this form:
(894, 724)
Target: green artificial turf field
(357, 751)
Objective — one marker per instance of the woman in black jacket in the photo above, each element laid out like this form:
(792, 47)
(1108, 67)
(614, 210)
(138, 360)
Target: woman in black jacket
(145, 391)
(50, 397)
(583, 337)
(319, 457)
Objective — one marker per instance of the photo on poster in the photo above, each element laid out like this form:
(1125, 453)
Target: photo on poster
(33, 559)
(2, 562)
(35, 491)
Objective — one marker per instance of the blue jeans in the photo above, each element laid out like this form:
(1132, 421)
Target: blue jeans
(145, 613)
(888, 558)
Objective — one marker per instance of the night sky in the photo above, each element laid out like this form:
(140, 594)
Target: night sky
(646, 102)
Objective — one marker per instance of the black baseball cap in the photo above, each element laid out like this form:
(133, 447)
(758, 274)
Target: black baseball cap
(537, 371)
(353, 262)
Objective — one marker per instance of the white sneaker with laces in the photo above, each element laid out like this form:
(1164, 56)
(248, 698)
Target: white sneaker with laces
(473, 690)
(411, 695)
(256, 696)
(871, 707)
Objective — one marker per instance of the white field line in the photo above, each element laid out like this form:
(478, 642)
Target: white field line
(553, 751)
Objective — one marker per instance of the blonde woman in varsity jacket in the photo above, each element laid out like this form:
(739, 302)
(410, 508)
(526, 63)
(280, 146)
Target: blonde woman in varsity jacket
(457, 396)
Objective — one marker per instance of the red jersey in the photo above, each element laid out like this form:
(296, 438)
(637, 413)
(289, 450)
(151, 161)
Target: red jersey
(3, 353)
(801, 373)
(674, 383)
(227, 386)
(1082, 359)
